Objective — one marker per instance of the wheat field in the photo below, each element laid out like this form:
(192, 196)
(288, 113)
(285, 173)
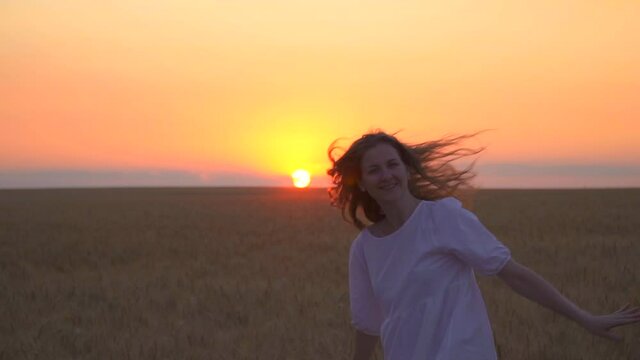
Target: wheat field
(230, 273)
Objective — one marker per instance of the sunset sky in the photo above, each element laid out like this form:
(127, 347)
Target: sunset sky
(244, 92)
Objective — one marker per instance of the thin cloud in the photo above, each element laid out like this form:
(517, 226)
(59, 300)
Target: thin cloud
(593, 170)
(68, 178)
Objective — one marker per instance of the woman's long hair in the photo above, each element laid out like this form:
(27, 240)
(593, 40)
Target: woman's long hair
(431, 174)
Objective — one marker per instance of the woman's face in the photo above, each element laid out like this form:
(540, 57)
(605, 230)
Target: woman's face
(383, 174)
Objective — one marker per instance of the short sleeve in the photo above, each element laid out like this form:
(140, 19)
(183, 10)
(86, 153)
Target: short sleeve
(461, 233)
(366, 314)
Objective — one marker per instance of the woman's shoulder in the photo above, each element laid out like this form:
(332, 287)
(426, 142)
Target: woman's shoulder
(356, 243)
(448, 202)
(444, 206)
(445, 211)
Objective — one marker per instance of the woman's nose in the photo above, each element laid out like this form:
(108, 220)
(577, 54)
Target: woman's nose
(385, 174)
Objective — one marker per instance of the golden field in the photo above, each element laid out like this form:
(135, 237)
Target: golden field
(197, 273)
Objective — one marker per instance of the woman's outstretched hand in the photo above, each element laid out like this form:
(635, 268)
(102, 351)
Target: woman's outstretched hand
(602, 324)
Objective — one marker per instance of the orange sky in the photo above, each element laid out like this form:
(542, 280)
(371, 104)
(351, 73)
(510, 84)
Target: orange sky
(244, 92)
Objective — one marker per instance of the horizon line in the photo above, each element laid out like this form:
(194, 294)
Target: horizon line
(140, 187)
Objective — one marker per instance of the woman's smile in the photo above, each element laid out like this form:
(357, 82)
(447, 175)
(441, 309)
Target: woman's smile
(388, 186)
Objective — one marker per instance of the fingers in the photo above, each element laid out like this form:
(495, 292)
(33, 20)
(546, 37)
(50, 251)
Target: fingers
(627, 311)
(626, 317)
(631, 313)
(630, 318)
(625, 307)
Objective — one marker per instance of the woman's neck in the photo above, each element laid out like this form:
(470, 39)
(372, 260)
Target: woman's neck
(397, 212)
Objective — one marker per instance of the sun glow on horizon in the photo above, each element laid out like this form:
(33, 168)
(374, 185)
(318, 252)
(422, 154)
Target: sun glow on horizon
(301, 178)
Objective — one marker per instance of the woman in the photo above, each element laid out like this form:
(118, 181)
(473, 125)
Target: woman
(411, 272)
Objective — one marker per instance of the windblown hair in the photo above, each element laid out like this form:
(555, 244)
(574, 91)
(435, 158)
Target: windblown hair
(431, 174)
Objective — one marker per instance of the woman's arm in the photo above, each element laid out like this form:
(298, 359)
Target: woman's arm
(365, 344)
(532, 286)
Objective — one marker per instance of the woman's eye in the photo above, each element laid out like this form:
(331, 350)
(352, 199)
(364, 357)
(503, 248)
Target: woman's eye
(372, 171)
(392, 165)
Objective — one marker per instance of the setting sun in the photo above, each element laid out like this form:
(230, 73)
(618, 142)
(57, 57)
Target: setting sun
(301, 178)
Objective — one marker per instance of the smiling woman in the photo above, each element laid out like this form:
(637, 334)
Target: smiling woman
(412, 282)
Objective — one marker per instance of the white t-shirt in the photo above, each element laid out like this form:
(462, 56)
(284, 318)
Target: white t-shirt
(416, 288)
